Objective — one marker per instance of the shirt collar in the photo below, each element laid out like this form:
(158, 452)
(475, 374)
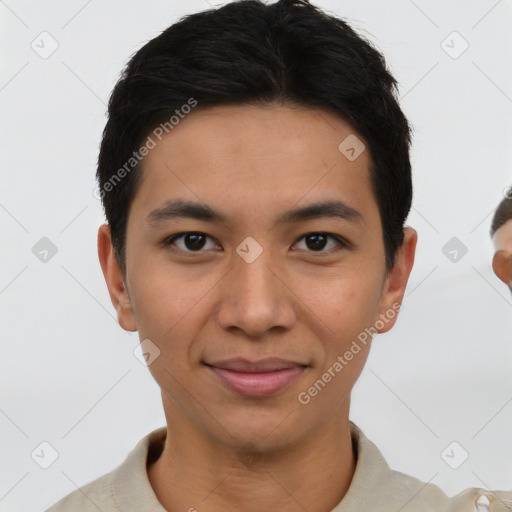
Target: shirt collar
(373, 484)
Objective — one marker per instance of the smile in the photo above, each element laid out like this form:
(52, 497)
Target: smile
(258, 379)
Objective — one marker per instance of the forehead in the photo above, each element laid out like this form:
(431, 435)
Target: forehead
(257, 159)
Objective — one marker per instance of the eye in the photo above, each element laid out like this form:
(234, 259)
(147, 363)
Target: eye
(195, 241)
(189, 242)
(318, 241)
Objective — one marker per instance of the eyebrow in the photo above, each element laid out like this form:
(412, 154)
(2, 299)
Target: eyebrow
(180, 209)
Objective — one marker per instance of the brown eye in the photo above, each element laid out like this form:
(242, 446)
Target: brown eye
(194, 241)
(318, 241)
(190, 242)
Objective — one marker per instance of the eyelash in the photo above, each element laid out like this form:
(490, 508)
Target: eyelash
(169, 242)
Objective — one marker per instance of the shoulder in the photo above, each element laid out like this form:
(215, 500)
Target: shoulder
(125, 488)
(91, 497)
(377, 487)
(414, 495)
(482, 500)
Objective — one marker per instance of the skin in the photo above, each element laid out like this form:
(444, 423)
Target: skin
(225, 451)
(502, 261)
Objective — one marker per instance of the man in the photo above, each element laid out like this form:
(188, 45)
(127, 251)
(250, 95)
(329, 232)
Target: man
(255, 176)
(501, 233)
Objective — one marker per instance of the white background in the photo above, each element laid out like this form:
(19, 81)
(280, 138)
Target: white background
(68, 374)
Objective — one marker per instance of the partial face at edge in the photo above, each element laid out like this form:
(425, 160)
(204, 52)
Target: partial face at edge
(250, 286)
(502, 261)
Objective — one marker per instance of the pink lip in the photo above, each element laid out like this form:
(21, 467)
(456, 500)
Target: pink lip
(257, 379)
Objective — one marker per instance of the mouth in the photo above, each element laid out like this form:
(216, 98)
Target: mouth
(261, 378)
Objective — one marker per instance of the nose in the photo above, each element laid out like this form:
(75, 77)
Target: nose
(256, 298)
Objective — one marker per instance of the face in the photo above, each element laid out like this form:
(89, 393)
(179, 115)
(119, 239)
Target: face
(502, 261)
(250, 293)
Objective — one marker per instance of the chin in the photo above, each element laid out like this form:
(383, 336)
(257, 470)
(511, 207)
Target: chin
(267, 428)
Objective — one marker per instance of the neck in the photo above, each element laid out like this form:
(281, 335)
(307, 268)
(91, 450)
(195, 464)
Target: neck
(198, 473)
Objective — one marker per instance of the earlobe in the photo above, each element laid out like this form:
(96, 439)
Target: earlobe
(396, 281)
(114, 279)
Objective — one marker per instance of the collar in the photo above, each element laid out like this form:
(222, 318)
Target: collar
(374, 485)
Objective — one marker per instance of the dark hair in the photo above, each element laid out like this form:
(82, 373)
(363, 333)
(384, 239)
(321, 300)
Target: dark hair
(502, 214)
(247, 52)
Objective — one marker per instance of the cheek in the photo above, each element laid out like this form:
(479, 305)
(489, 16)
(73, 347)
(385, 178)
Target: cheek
(348, 309)
(163, 298)
(346, 306)
(167, 318)
(170, 309)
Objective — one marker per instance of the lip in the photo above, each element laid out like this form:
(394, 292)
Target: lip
(261, 378)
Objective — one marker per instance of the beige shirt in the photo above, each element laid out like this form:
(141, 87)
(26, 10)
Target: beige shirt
(374, 487)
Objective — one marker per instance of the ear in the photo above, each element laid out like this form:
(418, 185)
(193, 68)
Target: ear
(114, 279)
(396, 281)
